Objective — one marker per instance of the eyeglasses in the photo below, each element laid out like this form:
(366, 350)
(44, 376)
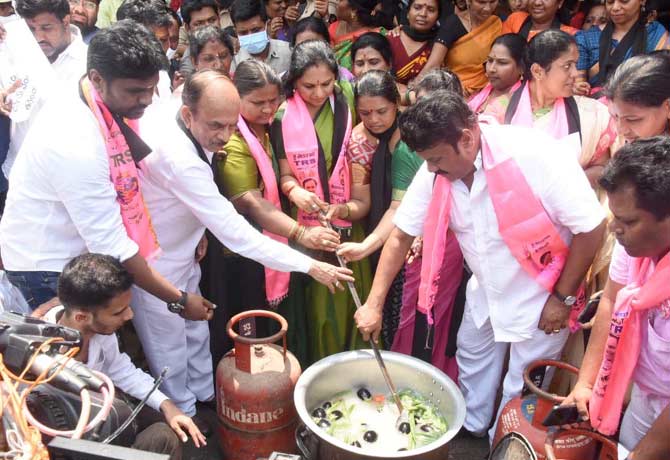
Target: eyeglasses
(87, 4)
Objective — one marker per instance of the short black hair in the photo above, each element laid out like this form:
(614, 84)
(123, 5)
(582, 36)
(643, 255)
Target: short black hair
(442, 117)
(190, 6)
(310, 24)
(644, 165)
(243, 10)
(200, 37)
(308, 54)
(90, 281)
(126, 49)
(376, 41)
(150, 13)
(28, 9)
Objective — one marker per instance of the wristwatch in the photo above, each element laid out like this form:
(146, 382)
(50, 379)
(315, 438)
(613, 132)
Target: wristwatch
(568, 300)
(178, 306)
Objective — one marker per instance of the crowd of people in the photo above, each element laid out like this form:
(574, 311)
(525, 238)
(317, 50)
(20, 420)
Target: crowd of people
(484, 169)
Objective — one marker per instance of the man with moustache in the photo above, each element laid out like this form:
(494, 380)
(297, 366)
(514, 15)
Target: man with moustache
(74, 187)
(84, 14)
(183, 199)
(631, 332)
(481, 183)
(61, 43)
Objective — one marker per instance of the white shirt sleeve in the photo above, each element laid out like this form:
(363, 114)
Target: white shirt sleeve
(84, 188)
(620, 265)
(123, 373)
(192, 184)
(411, 214)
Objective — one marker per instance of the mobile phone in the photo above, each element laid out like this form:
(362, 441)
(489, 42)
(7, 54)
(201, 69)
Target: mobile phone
(562, 415)
(589, 311)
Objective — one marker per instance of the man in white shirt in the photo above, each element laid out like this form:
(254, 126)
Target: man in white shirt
(61, 42)
(94, 290)
(253, 36)
(183, 199)
(505, 308)
(637, 182)
(61, 201)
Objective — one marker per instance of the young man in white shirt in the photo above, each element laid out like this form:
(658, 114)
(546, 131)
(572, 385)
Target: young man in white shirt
(61, 201)
(180, 192)
(61, 42)
(94, 290)
(505, 308)
(637, 181)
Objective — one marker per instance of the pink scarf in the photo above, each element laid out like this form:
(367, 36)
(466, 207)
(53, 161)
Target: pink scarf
(625, 340)
(276, 283)
(302, 152)
(477, 101)
(123, 174)
(558, 125)
(522, 221)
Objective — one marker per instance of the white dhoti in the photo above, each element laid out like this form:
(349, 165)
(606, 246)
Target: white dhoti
(480, 363)
(180, 345)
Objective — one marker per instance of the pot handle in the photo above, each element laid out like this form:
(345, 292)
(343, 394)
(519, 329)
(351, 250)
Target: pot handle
(538, 391)
(300, 434)
(609, 451)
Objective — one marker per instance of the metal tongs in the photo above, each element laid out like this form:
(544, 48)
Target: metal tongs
(375, 348)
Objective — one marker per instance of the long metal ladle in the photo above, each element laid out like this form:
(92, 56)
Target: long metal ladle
(373, 344)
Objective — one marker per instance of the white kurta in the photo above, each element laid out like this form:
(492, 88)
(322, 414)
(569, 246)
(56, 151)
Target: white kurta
(182, 198)
(104, 356)
(61, 202)
(69, 67)
(503, 303)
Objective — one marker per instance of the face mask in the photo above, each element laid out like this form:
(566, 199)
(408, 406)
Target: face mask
(254, 43)
(170, 53)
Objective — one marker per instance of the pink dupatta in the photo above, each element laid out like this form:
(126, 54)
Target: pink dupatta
(302, 152)
(276, 282)
(558, 124)
(475, 102)
(123, 174)
(624, 341)
(522, 221)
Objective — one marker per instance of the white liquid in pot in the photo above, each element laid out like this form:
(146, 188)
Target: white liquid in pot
(357, 419)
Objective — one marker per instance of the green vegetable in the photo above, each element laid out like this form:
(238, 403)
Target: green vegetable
(422, 413)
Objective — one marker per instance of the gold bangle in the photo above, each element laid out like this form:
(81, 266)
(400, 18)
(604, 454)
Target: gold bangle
(294, 229)
(346, 205)
(301, 233)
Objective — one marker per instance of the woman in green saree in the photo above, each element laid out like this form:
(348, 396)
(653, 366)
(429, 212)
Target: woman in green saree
(248, 176)
(310, 136)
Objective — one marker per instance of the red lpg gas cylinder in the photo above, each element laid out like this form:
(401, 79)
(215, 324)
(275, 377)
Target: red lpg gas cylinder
(608, 449)
(525, 414)
(254, 393)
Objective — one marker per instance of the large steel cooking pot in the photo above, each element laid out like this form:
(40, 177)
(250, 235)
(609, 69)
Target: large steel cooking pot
(354, 369)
